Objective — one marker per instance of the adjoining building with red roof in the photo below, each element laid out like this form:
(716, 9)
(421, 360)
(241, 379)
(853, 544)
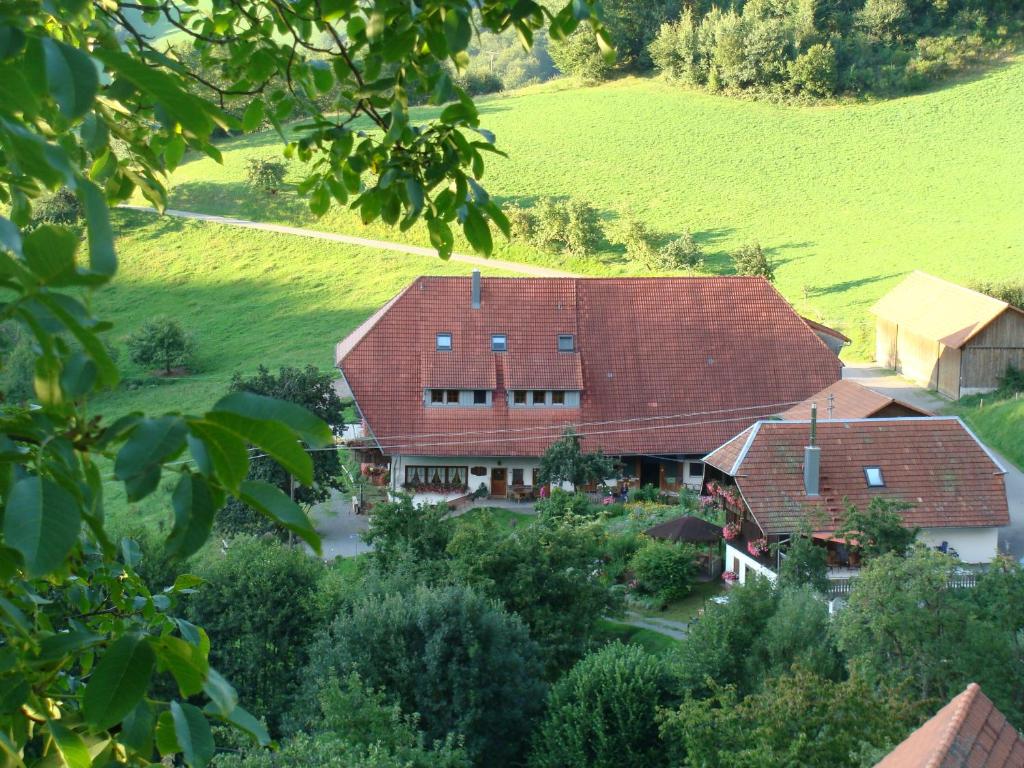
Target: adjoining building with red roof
(969, 732)
(947, 337)
(849, 400)
(779, 479)
(463, 382)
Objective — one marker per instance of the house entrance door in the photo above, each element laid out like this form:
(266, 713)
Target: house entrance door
(499, 481)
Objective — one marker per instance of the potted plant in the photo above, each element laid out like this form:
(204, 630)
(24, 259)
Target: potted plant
(730, 531)
(758, 547)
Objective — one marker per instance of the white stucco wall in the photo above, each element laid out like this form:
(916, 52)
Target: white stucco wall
(746, 564)
(399, 463)
(974, 545)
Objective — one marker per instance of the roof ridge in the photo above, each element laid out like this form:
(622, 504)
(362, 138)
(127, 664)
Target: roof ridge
(963, 704)
(963, 288)
(754, 429)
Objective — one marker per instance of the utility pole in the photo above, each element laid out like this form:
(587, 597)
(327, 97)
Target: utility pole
(831, 404)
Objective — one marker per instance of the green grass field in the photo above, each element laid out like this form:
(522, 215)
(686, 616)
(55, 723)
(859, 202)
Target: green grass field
(847, 198)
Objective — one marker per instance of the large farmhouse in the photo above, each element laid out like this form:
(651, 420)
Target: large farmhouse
(781, 478)
(947, 337)
(463, 382)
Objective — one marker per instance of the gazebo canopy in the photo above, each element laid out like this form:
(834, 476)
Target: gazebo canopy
(686, 528)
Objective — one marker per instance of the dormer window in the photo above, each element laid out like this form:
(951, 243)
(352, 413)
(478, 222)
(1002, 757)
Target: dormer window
(873, 476)
(566, 342)
(499, 342)
(444, 342)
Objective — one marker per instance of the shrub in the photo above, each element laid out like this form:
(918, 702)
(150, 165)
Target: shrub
(449, 654)
(682, 253)
(814, 71)
(582, 235)
(752, 260)
(161, 342)
(1012, 381)
(61, 207)
(17, 364)
(645, 493)
(604, 712)
(578, 56)
(259, 609)
(265, 174)
(676, 51)
(1012, 292)
(565, 461)
(561, 505)
(479, 83)
(400, 530)
(551, 222)
(804, 564)
(639, 248)
(664, 570)
(521, 221)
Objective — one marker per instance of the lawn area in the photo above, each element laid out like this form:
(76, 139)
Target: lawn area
(847, 198)
(654, 642)
(686, 610)
(999, 423)
(505, 518)
(249, 298)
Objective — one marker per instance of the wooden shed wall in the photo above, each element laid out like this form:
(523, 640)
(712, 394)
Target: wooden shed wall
(885, 343)
(986, 356)
(918, 358)
(948, 374)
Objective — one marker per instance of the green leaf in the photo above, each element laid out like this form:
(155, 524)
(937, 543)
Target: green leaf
(137, 729)
(95, 133)
(226, 453)
(78, 376)
(153, 441)
(10, 236)
(274, 438)
(222, 694)
(50, 254)
(268, 500)
(42, 522)
(166, 738)
(131, 552)
(192, 732)
(194, 509)
(71, 77)
(185, 661)
(174, 151)
(440, 237)
(34, 156)
(243, 720)
(253, 115)
(457, 30)
(102, 260)
(308, 427)
(56, 646)
(119, 682)
(322, 77)
(70, 745)
(477, 231)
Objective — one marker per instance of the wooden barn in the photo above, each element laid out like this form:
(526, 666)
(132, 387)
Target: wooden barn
(947, 337)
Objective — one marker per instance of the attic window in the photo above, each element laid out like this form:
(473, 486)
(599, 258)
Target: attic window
(444, 342)
(499, 342)
(873, 475)
(566, 342)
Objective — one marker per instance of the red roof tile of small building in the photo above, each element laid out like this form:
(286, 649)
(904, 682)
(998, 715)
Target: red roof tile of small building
(936, 464)
(849, 400)
(672, 365)
(969, 732)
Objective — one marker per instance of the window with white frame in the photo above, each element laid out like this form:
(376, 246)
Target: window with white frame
(444, 342)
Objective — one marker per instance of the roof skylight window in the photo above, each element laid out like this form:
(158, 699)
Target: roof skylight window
(874, 478)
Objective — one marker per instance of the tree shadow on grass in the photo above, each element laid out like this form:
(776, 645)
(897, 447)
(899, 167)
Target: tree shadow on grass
(236, 198)
(847, 285)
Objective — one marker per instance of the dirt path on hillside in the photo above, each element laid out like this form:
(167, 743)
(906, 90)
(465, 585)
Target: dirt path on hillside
(380, 245)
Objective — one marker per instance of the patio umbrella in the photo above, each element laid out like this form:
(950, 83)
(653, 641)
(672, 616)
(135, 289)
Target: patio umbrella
(687, 528)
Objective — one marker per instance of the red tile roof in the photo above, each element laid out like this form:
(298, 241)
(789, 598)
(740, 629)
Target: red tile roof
(824, 329)
(969, 732)
(455, 370)
(936, 464)
(850, 400)
(667, 365)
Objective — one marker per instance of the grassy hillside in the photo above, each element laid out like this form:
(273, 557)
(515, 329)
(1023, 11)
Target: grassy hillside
(249, 297)
(847, 198)
(999, 423)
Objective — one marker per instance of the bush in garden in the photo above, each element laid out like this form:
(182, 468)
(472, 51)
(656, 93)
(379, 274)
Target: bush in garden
(751, 260)
(562, 504)
(449, 654)
(258, 606)
(682, 253)
(61, 207)
(664, 569)
(161, 342)
(1012, 381)
(645, 493)
(814, 71)
(479, 83)
(265, 174)
(604, 712)
(399, 530)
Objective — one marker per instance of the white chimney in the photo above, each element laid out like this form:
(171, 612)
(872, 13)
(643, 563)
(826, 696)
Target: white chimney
(476, 289)
(812, 458)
